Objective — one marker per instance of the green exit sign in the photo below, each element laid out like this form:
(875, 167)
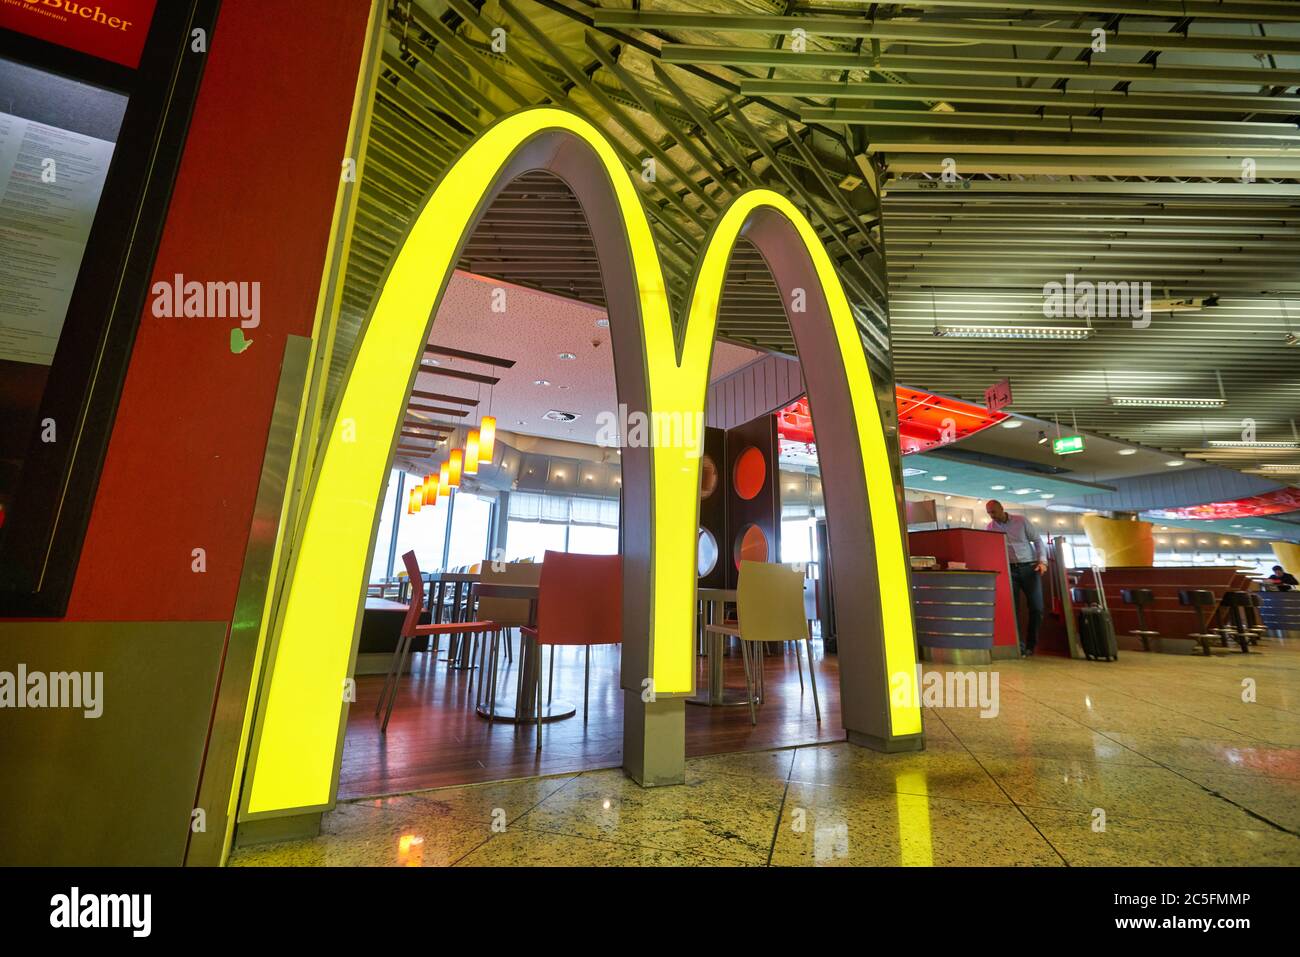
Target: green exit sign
(1067, 444)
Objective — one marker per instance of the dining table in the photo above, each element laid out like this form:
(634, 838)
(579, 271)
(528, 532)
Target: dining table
(712, 610)
(523, 709)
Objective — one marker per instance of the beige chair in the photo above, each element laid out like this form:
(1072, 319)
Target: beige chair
(769, 607)
(512, 612)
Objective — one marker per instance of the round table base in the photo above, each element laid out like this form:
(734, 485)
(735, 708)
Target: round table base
(555, 711)
(731, 698)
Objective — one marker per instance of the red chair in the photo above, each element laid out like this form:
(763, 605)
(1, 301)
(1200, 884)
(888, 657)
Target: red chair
(579, 602)
(411, 628)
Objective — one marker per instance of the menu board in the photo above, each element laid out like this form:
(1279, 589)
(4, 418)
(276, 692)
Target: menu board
(55, 152)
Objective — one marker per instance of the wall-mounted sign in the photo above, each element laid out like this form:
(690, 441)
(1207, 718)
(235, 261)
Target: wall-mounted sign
(998, 395)
(109, 29)
(1067, 444)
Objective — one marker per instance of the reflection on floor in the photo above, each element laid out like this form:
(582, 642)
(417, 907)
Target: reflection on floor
(435, 739)
(1150, 760)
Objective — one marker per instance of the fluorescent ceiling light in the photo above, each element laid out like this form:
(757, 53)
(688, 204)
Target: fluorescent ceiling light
(1235, 444)
(1166, 402)
(939, 478)
(1014, 332)
(1281, 468)
(998, 488)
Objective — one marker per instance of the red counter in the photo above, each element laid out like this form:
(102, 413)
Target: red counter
(980, 550)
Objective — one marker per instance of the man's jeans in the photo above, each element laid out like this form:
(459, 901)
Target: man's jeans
(1025, 578)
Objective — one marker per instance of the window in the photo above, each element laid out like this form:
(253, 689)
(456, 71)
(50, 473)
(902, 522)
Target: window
(425, 533)
(471, 517)
(593, 540)
(797, 540)
(533, 539)
(384, 536)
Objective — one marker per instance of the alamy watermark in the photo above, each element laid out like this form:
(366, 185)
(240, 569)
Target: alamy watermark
(83, 690)
(1100, 300)
(191, 299)
(635, 429)
(947, 689)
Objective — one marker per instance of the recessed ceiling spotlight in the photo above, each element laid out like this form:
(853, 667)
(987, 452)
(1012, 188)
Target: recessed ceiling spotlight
(566, 356)
(541, 382)
(602, 323)
(1128, 451)
(939, 478)
(1024, 491)
(1174, 463)
(1042, 437)
(1049, 495)
(1012, 424)
(998, 488)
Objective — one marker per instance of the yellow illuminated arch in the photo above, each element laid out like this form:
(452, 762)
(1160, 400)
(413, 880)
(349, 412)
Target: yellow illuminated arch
(301, 713)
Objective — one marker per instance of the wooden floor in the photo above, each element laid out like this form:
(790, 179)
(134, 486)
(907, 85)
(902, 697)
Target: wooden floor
(436, 739)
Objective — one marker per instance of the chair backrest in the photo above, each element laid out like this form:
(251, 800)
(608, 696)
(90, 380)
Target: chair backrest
(1195, 596)
(507, 612)
(580, 600)
(1137, 596)
(417, 593)
(769, 603)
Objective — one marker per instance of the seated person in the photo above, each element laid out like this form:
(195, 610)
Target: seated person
(1283, 579)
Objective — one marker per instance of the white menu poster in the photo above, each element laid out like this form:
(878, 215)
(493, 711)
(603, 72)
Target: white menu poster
(50, 184)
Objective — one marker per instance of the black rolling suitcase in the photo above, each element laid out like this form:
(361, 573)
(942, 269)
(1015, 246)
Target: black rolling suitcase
(1096, 630)
(1097, 633)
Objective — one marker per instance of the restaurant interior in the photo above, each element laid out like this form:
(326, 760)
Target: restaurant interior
(503, 227)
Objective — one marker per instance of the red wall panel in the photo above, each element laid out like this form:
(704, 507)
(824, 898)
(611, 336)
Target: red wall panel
(253, 203)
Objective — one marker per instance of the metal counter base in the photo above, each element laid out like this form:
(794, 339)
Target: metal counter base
(965, 657)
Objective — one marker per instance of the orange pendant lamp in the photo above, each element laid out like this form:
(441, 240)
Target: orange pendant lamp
(430, 488)
(415, 500)
(457, 463)
(487, 438)
(444, 479)
(471, 453)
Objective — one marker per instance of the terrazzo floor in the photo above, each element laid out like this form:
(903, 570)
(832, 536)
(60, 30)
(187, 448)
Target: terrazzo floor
(1151, 760)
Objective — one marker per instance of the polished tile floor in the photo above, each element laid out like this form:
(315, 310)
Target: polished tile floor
(1151, 760)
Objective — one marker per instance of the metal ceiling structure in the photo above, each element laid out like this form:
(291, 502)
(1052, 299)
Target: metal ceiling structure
(1141, 141)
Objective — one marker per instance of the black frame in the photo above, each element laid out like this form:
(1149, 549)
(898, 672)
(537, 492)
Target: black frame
(40, 544)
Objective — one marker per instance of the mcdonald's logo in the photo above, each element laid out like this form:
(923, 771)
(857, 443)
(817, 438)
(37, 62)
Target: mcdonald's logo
(660, 370)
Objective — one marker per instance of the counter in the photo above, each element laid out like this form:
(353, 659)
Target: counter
(955, 614)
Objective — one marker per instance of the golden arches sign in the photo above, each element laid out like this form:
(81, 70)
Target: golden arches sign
(302, 711)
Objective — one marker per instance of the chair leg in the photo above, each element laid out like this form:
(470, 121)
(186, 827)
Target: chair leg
(550, 678)
(799, 661)
(403, 645)
(388, 678)
(510, 648)
(492, 680)
(812, 679)
(749, 685)
(586, 685)
(538, 659)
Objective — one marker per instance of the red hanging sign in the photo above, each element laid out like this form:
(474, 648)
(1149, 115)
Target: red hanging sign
(109, 29)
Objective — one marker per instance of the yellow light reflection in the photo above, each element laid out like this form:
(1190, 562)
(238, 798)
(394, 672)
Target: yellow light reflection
(915, 848)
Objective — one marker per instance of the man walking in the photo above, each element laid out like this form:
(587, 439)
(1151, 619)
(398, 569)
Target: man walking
(1027, 558)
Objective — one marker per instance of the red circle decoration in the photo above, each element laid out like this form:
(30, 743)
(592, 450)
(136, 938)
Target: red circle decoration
(751, 545)
(749, 473)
